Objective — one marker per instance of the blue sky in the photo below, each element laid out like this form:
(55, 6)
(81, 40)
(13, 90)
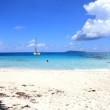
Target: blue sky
(58, 25)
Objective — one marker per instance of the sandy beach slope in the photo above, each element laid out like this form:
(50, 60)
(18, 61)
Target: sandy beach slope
(25, 89)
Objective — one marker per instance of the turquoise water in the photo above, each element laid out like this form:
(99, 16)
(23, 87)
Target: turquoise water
(65, 60)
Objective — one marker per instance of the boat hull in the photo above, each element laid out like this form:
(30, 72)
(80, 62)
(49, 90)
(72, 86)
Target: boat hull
(36, 53)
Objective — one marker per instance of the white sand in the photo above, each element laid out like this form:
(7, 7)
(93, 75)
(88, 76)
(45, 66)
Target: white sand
(55, 89)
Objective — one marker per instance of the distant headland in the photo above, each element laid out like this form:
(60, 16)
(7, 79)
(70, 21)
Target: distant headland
(74, 51)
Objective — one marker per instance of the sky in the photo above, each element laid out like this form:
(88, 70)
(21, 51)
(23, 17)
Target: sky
(58, 25)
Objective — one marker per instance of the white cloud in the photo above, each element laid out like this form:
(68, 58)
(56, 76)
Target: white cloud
(1, 43)
(95, 48)
(71, 43)
(32, 44)
(99, 8)
(81, 49)
(32, 41)
(19, 27)
(98, 27)
(41, 45)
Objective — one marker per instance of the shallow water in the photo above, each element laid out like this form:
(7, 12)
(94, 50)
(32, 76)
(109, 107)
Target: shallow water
(83, 60)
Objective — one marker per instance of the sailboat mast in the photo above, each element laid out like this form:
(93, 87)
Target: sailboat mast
(36, 52)
(36, 45)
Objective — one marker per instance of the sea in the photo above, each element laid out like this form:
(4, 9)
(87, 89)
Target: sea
(56, 60)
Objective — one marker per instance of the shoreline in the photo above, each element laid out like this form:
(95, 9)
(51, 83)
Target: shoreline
(31, 89)
(36, 69)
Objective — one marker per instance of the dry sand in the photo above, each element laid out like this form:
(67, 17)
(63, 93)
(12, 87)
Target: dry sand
(25, 89)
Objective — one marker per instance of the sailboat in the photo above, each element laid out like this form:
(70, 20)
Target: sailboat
(36, 52)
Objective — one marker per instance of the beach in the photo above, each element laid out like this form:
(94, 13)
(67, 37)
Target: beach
(54, 55)
(36, 89)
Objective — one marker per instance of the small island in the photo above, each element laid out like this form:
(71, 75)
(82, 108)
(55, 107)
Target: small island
(74, 51)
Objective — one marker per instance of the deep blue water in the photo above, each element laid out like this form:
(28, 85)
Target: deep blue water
(77, 60)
